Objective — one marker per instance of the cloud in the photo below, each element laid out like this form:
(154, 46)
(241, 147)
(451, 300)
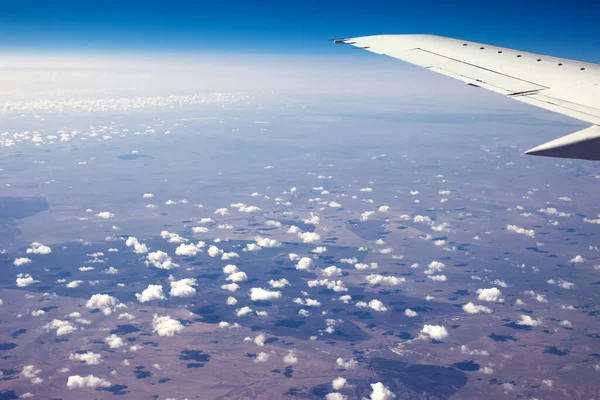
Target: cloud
(491, 294)
(229, 255)
(161, 260)
(243, 311)
(335, 285)
(151, 293)
(89, 357)
(304, 263)
(172, 237)
(221, 211)
(105, 215)
(183, 288)
(577, 259)
(434, 267)
(261, 357)
(232, 287)
(438, 278)
(266, 242)
(214, 251)
(422, 219)
(90, 381)
(436, 332)
(363, 266)
(147, 195)
(61, 327)
(104, 302)
(521, 231)
(21, 261)
(260, 294)
(165, 325)
(189, 250)
(309, 237)
(290, 358)
(365, 215)
(38, 248)
(332, 271)
(373, 304)
(73, 284)
(383, 209)
(345, 364)
(279, 284)
(336, 396)
(528, 321)
(114, 342)
(380, 392)
(410, 313)
(138, 248)
(239, 276)
(31, 373)
(338, 383)
(24, 280)
(475, 309)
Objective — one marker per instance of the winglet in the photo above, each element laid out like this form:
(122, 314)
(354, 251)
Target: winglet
(584, 144)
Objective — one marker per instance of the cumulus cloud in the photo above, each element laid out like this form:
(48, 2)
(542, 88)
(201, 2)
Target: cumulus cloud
(89, 357)
(577, 259)
(104, 302)
(214, 251)
(410, 313)
(490, 294)
(475, 308)
(183, 287)
(138, 248)
(374, 304)
(290, 358)
(528, 321)
(345, 364)
(332, 271)
(60, 327)
(165, 325)
(151, 293)
(189, 250)
(105, 215)
(239, 276)
(89, 381)
(24, 280)
(38, 248)
(280, 283)
(231, 287)
(243, 311)
(260, 294)
(436, 332)
(266, 242)
(114, 341)
(309, 237)
(438, 278)
(381, 392)
(304, 263)
(521, 231)
(338, 383)
(31, 373)
(335, 285)
(161, 260)
(21, 261)
(261, 357)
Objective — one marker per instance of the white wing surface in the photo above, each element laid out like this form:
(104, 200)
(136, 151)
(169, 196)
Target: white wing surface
(564, 86)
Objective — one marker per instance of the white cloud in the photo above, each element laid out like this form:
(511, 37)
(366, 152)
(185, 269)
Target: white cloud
(231, 287)
(345, 364)
(243, 311)
(260, 294)
(231, 301)
(309, 237)
(521, 231)
(61, 327)
(304, 263)
(280, 283)
(214, 251)
(24, 280)
(105, 215)
(434, 267)
(436, 332)
(165, 325)
(290, 358)
(151, 293)
(147, 195)
(475, 308)
(73, 284)
(261, 357)
(172, 237)
(38, 248)
(294, 230)
(338, 383)
(229, 255)
(490, 294)
(90, 381)
(332, 271)
(188, 250)
(31, 373)
(422, 219)
(183, 287)
(89, 357)
(528, 321)
(438, 278)
(381, 392)
(334, 204)
(138, 248)
(410, 313)
(21, 261)
(577, 259)
(373, 304)
(230, 269)
(363, 266)
(376, 279)
(239, 276)
(221, 211)
(114, 341)
(335, 285)
(161, 260)
(104, 302)
(266, 242)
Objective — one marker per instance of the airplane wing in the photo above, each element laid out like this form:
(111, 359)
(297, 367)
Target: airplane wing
(564, 86)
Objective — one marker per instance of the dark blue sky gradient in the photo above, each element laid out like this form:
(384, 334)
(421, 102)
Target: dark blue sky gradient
(562, 28)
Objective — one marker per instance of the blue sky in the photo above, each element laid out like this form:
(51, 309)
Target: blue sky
(562, 28)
